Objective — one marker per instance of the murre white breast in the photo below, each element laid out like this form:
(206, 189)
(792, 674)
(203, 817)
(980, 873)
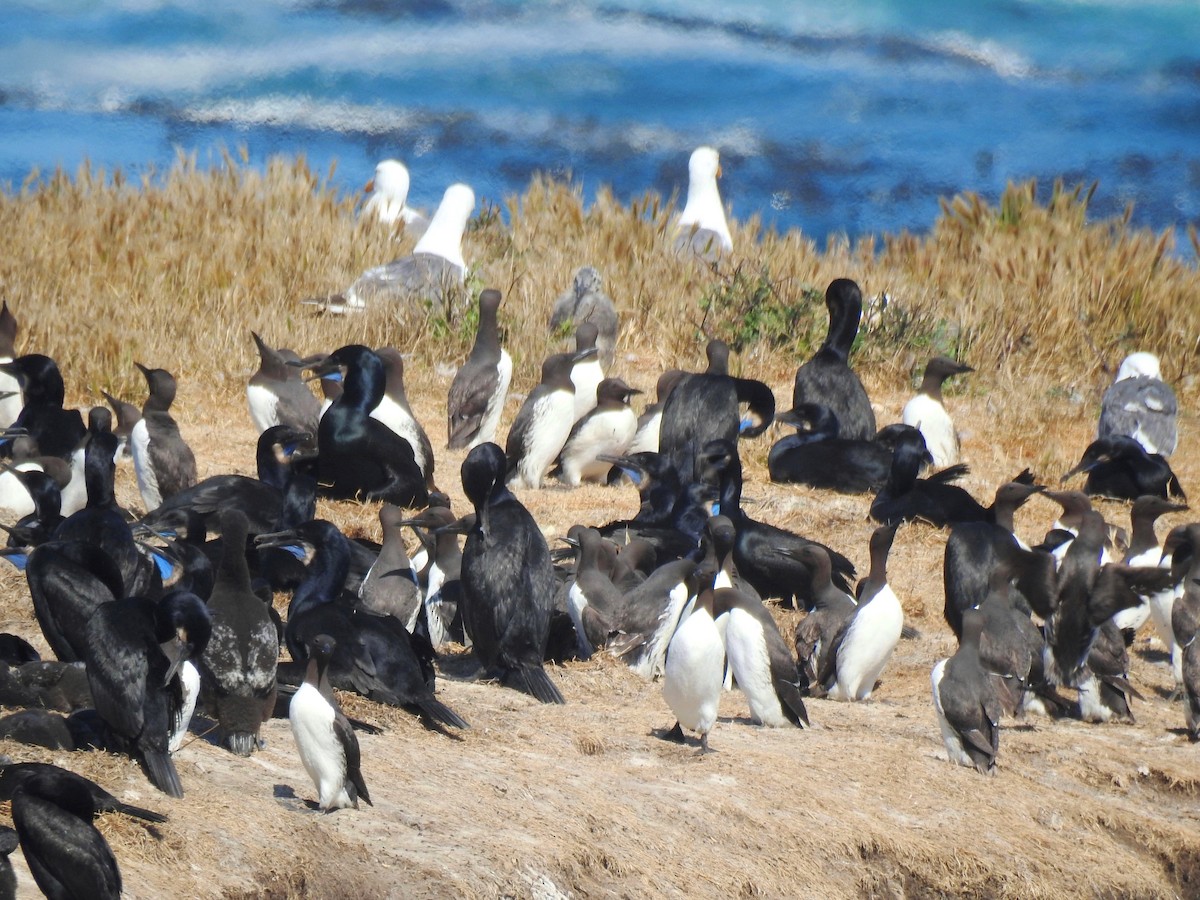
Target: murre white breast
(326, 743)
(927, 412)
(695, 670)
(868, 638)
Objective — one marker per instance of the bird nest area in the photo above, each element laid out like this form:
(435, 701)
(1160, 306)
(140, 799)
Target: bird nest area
(585, 799)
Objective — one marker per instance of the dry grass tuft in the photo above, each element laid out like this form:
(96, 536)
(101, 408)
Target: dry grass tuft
(590, 745)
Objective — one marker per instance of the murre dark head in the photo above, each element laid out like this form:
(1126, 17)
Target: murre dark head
(162, 388)
(937, 370)
(8, 332)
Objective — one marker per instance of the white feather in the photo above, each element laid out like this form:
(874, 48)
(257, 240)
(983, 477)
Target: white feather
(577, 602)
(15, 501)
(722, 625)
(586, 375)
(1091, 708)
(264, 405)
(189, 679)
(751, 666)
(931, 419)
(433, 603)
(10, 407)
(147, 479)
(703, 208)
(491, 418)
(1133, 617)
(548, 430)
(320, 750)
(868, 645)
(695, 668)
(395, 417)
(74, 495)
(607, 433)
(646, 439)
(651, 663)
(443, 237)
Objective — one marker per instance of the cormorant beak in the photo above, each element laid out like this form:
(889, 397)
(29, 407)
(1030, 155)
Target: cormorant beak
(291, 440)
(173, 651)
(285, 540)
(459, 526)
(1083, 467)
(635, 472)
(789, 417)
(320, 364)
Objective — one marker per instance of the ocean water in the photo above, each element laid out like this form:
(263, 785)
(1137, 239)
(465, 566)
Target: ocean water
(851, 117)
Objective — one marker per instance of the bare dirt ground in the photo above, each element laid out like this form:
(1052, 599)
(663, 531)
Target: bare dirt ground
(584, 800)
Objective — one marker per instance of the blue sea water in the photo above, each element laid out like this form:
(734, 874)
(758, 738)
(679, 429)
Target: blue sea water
(851, 117)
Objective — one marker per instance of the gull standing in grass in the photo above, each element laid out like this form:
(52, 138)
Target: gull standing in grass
(389, 198)
(432, 273)
(1140, 405)
(701, 229)
(585, 301)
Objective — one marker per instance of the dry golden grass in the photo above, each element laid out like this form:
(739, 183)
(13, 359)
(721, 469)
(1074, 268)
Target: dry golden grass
(535, 801)
(180, 267)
